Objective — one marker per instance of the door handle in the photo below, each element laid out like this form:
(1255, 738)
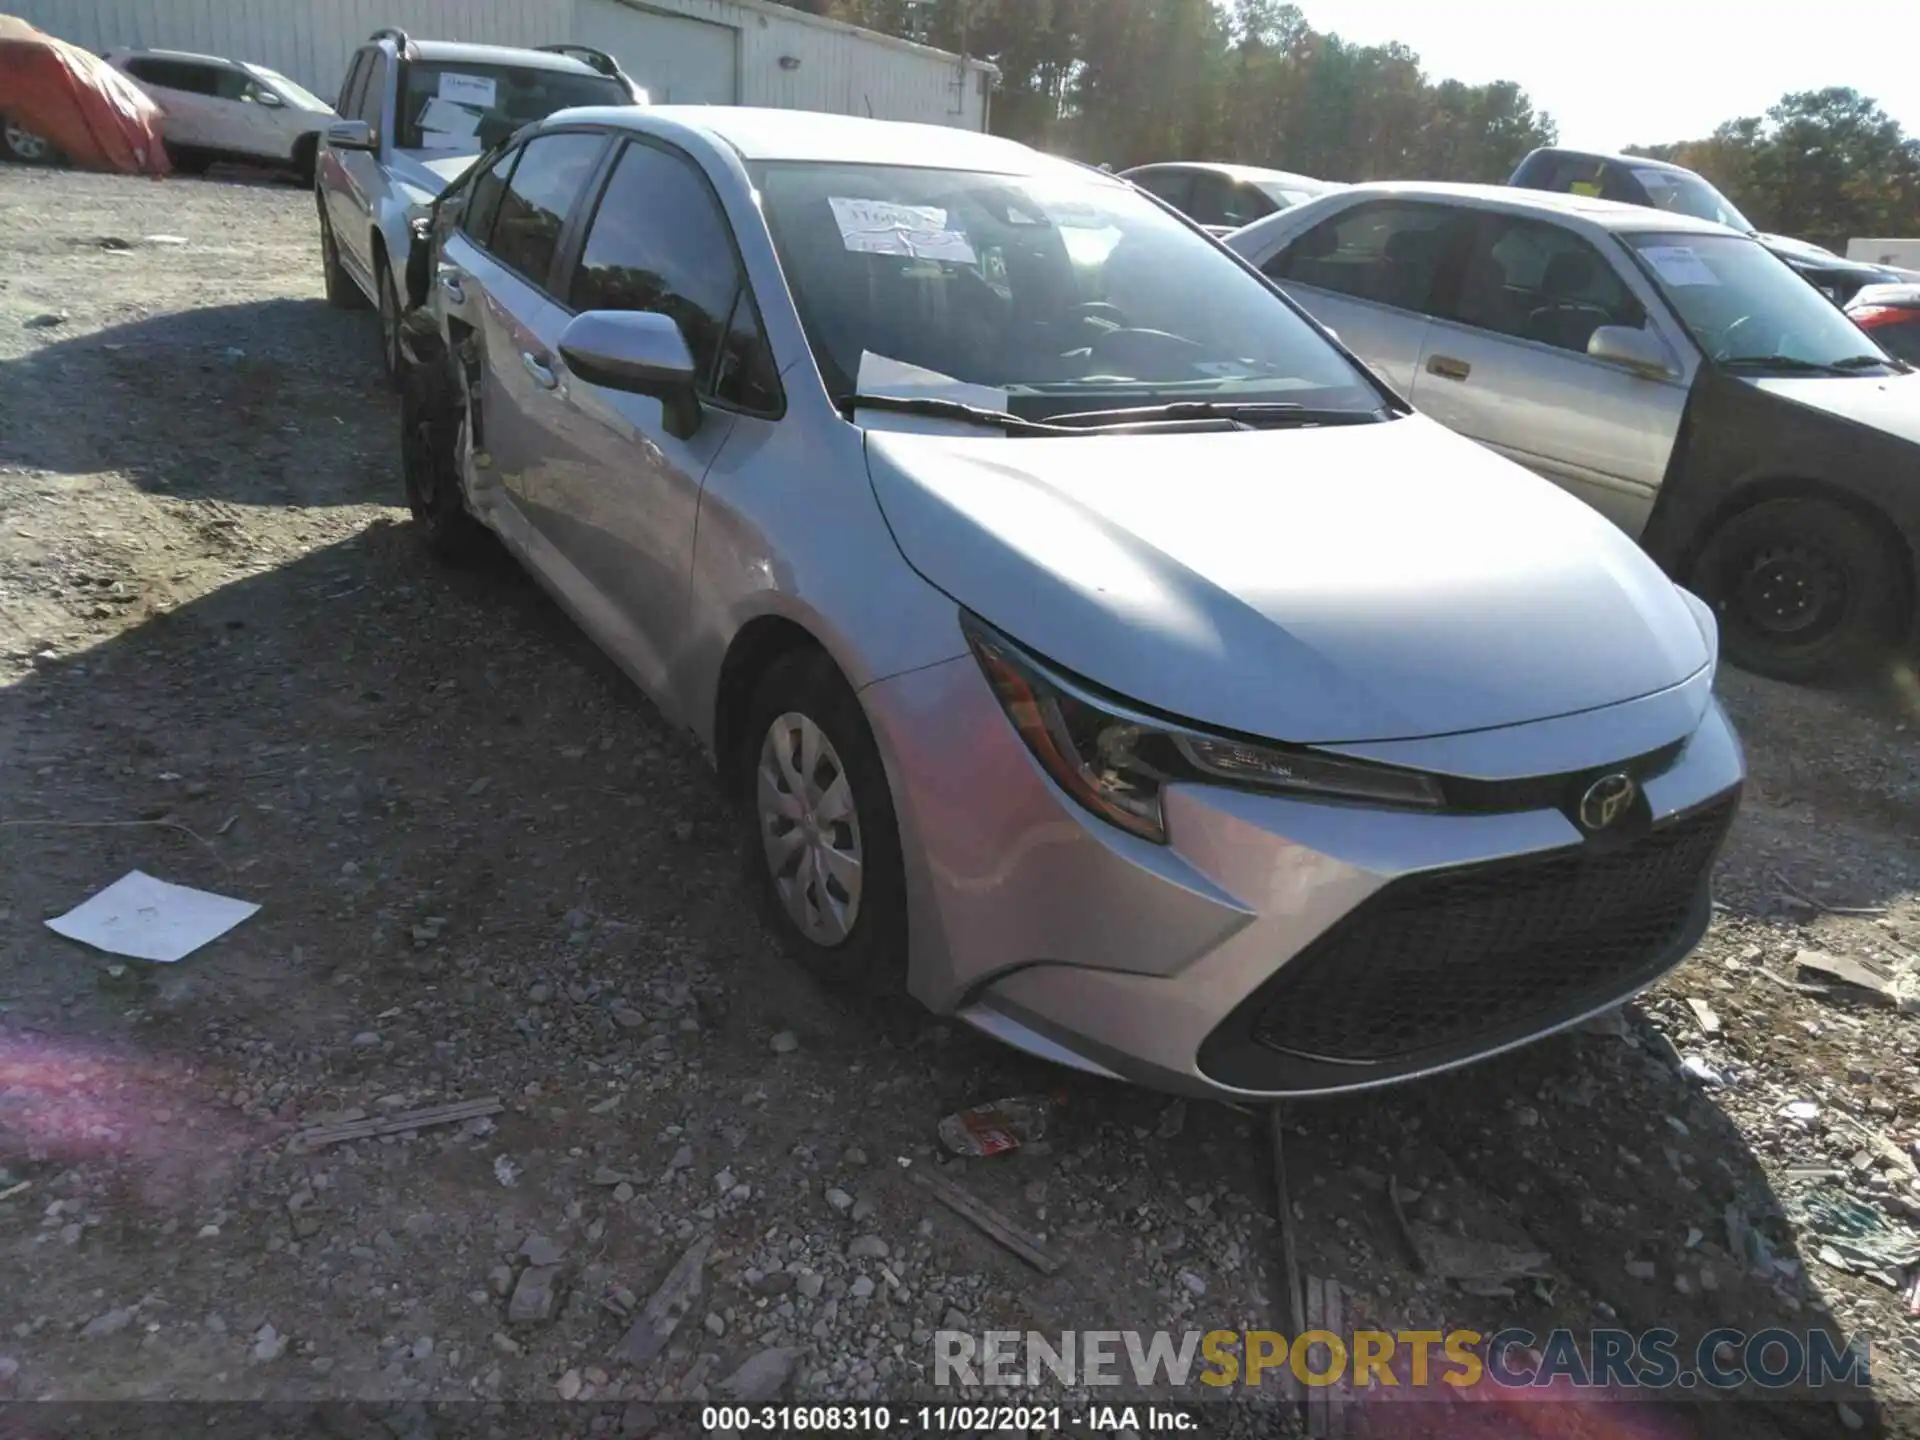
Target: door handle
(538, 368)
(1448, 368)
(451, 284)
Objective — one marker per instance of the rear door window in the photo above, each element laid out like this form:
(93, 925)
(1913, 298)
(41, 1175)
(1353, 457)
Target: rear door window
(1391, 253)
(552, 173)
(483, 197)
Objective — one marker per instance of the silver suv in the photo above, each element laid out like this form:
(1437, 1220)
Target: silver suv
(415, 114)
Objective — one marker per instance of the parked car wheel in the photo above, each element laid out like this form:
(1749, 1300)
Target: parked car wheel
(26, 146)
(433, 429)
(1806, 590)
(389, 319)
(821, 838)
(189, 161)
(342, 293)
(306, 151)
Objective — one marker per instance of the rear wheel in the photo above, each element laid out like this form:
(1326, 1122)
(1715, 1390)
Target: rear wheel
(1806, 590)
(305, 152)
(821, 840)
(189, 161)
(28, 147)
(342, 293)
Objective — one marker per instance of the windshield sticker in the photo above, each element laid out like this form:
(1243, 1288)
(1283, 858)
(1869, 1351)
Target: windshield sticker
(441, 140)
(1226, 370)
(467, 89)
(449, 118)
(1679, 265)
(879, 227)
(881, 375)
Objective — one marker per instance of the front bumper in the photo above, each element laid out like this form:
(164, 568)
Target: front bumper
(1279, 947)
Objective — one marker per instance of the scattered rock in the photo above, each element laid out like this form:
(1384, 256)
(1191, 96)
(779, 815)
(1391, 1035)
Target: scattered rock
(716, 1326)
(785, 1043)
(868, 1247)
(111, 1323)
(533, 1296)
(9, 1377)
(268, 1345)
(1641, 1269)
(45, 322)
(839, 1199)
(809, 1285)
(366, 1040)
(539, 1251)
(760, 1378)
(569, 1386)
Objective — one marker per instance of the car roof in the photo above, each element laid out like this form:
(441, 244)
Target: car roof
(132, 52)
(1605, 214)
(460, 52)
(1251, 174)
(1642, 162)
(764, 134)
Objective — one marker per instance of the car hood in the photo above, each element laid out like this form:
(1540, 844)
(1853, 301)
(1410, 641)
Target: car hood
(1887, 403)
(1371, 582)
(430, 170)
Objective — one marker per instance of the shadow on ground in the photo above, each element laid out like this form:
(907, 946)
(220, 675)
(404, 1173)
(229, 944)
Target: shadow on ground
(262, 403)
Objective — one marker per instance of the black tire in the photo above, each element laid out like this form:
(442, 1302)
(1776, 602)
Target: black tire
(306, 154)
(1806, 590)
(342, 293)
(188, 161)
(431, 421)
(872, 955)
(390, 316)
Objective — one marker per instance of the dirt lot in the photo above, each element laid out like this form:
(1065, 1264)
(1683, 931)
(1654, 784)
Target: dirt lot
(487, 868)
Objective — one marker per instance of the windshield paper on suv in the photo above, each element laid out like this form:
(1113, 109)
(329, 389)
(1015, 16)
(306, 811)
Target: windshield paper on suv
(1687, 194)
(452, 105)
(1743, 304)
(1063, 293)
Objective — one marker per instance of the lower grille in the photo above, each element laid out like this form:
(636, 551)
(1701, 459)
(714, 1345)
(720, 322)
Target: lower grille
(1434, 960)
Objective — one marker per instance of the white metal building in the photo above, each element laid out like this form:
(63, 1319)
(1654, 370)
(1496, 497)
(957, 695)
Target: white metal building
(714, 52)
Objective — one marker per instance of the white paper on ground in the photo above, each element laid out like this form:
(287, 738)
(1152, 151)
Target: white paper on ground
(467, 89)
(149, 919)
(1679, 265)
(879, 227)
(880, 375)
(444, 115)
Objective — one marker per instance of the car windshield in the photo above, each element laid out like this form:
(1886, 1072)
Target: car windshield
(1685, 193)
(1037, 295)
(1745, 306)
(299, 94)
(454, 105)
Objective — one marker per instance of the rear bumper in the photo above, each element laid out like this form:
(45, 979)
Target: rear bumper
(1256, 955)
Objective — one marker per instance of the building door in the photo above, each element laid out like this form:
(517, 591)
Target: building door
(679, 61)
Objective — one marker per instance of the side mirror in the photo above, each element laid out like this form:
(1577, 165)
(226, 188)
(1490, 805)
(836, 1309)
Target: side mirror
(350, 135)
(638, 351)
(1640, 351)
(268, 99)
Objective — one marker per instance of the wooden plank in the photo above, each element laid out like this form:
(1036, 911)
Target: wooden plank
(397, 1124)
(663, 1313)
(988, 1220)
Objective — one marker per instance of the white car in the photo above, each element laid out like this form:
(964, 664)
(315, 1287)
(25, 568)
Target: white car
(220, 109)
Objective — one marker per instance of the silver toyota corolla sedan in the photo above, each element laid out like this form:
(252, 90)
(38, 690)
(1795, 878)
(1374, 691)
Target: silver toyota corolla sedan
(1095, 648)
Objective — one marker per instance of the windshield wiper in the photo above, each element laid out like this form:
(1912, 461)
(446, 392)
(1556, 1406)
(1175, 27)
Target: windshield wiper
(1865, 362)
(1250, 414)
(1012, 424)
(1782, 363)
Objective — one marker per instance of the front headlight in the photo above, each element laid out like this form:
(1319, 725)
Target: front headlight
(1117, 762)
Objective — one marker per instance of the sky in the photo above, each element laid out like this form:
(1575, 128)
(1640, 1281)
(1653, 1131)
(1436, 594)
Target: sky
(1644, 71)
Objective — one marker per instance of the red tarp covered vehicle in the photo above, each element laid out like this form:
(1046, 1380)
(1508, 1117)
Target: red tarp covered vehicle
(59, 101)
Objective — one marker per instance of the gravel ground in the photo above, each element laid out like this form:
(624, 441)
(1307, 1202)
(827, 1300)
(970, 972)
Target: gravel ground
(487, 868)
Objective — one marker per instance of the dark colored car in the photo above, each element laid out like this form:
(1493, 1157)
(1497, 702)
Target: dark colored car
(1891, 315)
(1640, 180)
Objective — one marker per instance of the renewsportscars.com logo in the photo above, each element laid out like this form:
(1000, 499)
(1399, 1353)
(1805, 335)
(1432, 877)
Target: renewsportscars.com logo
(1607, 1359)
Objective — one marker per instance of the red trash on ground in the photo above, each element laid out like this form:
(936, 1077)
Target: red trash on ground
(87, 110)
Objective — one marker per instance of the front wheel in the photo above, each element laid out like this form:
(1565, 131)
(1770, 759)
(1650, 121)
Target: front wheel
(27, 147)
(342, 293)
(821, 840)
(1806, 590)
(389, 320)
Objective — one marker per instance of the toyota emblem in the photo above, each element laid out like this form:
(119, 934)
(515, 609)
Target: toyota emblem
(1606, 800)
